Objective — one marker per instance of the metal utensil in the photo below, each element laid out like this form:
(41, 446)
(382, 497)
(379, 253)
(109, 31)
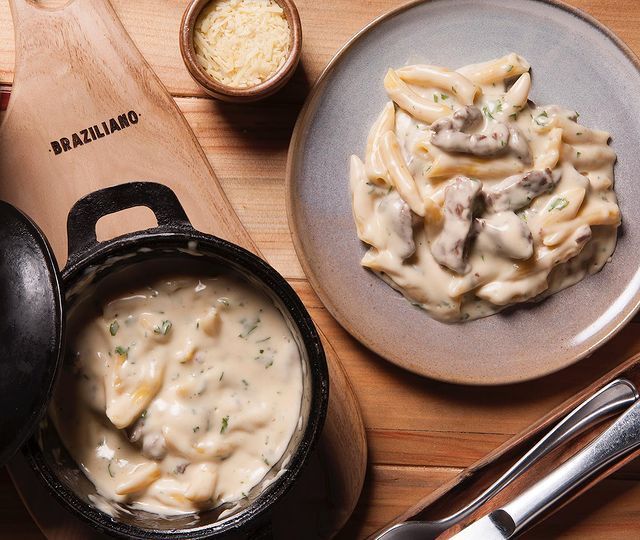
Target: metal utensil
(616, 442)
(609, 400)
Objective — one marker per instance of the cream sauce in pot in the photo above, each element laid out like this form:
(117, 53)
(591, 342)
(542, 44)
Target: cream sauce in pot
(179, 396)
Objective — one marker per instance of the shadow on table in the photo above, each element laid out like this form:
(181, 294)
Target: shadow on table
(562, 384)
(268, 123)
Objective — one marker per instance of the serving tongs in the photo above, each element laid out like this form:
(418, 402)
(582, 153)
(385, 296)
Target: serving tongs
(613, 398)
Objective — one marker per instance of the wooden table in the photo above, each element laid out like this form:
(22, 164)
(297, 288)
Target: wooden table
(420, 432)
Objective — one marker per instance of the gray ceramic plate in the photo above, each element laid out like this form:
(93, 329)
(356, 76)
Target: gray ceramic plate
(576, 63)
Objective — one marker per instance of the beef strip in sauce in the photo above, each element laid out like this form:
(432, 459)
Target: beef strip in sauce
(397, 220)
(449, 135)
(448, 249)
(519, 190)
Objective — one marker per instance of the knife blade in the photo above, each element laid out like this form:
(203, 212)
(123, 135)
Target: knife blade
(618, 441)
(498, 525)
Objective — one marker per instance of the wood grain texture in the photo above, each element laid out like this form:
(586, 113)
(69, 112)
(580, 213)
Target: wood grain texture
(420, 432)
(473, 480)
(80, 54)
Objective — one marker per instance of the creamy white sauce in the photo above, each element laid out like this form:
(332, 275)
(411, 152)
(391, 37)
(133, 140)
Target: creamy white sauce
(546, 214)
(179, 396)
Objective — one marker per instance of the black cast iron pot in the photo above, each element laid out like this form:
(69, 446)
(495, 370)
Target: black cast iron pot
(174, 240)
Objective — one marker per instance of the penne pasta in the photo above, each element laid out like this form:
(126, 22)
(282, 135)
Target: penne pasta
(563, 207)
(445, 166)
(504, 293)
(597, 215)
(416, 105)
(361, 203)
(399, 173)
(574, 133)
(551, 148)
(374, 167)
(449, 81)
(495, 70)
(516, 97)
(138, 478)
(588, 157)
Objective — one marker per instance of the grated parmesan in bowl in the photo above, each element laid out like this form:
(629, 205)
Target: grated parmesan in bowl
(241, 43)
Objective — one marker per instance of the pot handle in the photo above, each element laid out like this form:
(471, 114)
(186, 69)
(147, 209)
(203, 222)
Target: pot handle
(84, 215)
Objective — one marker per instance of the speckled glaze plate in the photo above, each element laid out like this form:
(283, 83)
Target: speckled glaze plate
(576, 63)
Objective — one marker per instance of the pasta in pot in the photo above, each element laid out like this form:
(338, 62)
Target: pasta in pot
(181, 395)
(472, 198)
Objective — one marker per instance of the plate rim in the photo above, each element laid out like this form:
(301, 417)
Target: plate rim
(303, 122)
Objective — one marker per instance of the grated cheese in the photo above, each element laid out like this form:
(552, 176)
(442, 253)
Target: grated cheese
(241, 43)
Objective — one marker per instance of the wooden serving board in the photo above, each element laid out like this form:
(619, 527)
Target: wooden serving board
(87, 112)
(474, 480)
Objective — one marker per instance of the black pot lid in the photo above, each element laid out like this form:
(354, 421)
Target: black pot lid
(31, 327)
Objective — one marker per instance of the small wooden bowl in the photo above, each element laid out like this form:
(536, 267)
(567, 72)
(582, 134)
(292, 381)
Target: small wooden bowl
(229, 93)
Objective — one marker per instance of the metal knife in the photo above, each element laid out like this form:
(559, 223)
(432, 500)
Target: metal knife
(619, 440)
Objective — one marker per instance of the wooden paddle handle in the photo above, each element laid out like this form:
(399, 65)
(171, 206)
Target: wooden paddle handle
(84, 215)
(27, 9)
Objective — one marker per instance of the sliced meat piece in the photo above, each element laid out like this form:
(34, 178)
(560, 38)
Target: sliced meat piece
(519, 190)
(449, 134)
(461, 120)
(448, 248)
(504, 234)
(154, 446)
(396, 217)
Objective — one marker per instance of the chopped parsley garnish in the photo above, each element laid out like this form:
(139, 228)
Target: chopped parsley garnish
(453, 89)
(444, 96)
(578, 154)
(162, 329)
(221, 375)
(542, 119)
(435, 98)
(487, 112)
(196, 428)
(558, 204)
(249, 328)
(114, 327)
(225, 424)
(513, 116)
(121, 351)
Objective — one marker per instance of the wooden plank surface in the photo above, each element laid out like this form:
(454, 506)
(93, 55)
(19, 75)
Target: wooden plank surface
(420, 432)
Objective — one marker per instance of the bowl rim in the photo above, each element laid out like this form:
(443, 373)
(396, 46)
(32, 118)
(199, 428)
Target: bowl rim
(176, 238)
(223, 91)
